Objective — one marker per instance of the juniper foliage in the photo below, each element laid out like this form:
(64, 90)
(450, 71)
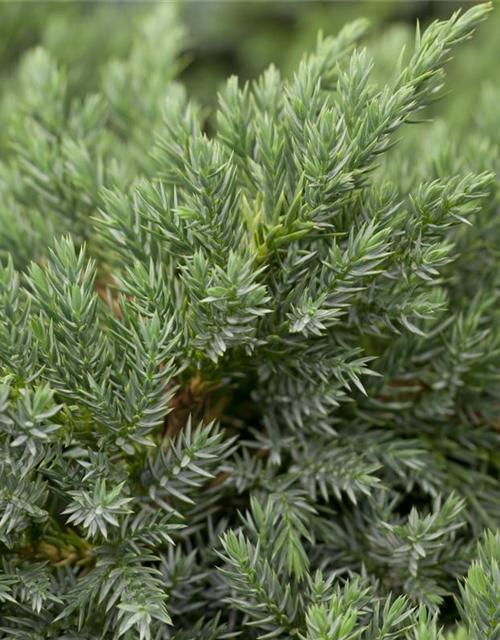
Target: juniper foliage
(249, 380)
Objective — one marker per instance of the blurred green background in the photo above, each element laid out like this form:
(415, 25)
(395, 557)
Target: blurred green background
(236, 37)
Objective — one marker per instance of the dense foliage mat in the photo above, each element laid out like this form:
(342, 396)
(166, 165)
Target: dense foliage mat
(250, 378)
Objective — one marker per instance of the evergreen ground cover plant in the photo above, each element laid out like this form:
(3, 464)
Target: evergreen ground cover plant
(249, 379)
